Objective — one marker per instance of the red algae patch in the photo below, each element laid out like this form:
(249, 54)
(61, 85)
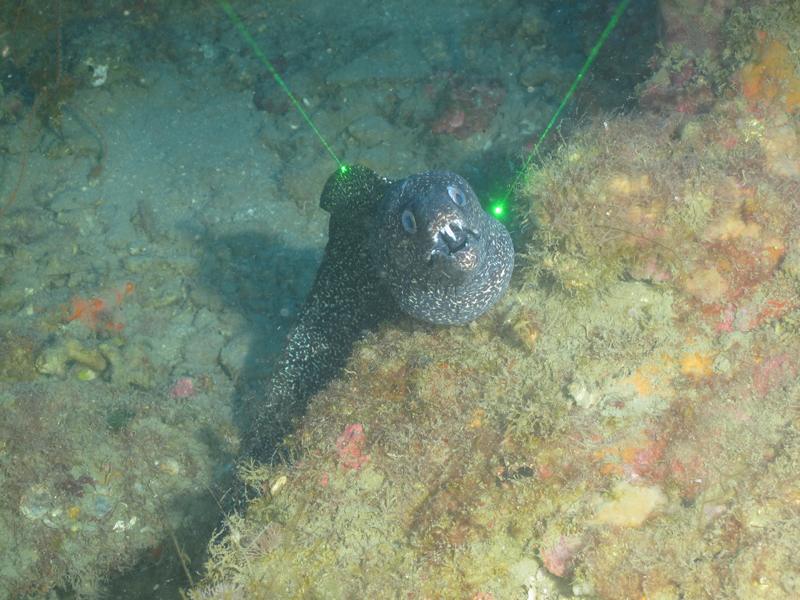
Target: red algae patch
(351, 445)
(99, 312)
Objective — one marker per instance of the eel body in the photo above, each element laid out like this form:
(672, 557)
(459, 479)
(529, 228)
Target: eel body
(422, 245)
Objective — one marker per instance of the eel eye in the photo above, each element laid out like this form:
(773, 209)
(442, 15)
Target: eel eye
(457, 196)
(409, 222)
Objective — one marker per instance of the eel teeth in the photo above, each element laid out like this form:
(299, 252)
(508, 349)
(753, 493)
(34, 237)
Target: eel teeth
(451, 238)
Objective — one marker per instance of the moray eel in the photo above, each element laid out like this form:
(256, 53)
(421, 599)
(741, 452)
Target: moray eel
(425, 239)
(442, 257)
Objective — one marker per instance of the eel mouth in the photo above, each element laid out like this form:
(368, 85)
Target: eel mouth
(452, 239)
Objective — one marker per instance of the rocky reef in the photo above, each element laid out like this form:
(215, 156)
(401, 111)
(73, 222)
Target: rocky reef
(622, 424)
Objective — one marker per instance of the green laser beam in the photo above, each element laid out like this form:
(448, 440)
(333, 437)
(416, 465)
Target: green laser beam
(611, 24)
(246, 34)
(498, 209)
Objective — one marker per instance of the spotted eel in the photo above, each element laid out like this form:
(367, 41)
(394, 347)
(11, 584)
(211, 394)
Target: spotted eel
(424, 239)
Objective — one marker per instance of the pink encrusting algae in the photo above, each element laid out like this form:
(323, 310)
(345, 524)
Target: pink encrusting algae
(351, 446)
(183, 388)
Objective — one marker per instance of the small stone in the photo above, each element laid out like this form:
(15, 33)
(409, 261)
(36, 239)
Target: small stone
(170, 466)
(91, 358)
(371, 131)
(630, 506)
(536, 75)
(53, 361)
(36, 502)
(278, 485)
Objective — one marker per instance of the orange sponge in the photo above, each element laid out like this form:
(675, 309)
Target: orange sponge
(99, 311)
(769, 74)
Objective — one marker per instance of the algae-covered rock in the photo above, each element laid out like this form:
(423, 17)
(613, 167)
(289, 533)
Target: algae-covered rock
(54, 359)
(87, 475)
(621, 418)
(17, 352)
(131, 364)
